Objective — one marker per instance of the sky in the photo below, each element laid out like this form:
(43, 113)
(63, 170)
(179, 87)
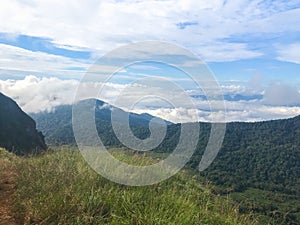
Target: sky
(251, 47)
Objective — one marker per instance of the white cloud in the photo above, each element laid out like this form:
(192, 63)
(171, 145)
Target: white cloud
(38, 94)
(35, 94)
(19, 59)
(220, 52)
(252, 113)
(281, 94)
(233, 89)
(176, 115)
(255, 82)
(290, 53)
(104, 25)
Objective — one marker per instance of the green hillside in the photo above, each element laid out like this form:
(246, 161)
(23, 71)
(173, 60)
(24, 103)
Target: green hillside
(259, 166)
(60, 188)
(18, 131)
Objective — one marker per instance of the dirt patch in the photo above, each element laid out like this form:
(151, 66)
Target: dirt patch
(7, 187)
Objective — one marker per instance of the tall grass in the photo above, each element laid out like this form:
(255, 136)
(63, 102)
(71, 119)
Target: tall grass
(59, 188)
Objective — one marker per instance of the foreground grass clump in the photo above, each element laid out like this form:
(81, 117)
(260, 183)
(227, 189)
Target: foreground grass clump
(60, 188)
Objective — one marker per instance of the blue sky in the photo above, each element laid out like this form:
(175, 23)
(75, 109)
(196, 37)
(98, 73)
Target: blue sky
(40, 44)
(267, 65)
(250, 46)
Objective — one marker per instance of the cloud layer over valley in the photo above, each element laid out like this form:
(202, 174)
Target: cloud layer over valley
(243, 103)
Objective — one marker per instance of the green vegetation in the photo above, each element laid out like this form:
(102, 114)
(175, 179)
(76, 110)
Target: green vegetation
(18, 132)
(259, 166)
(59, 188)
(259, 159)
(57, 125)
(269, 207)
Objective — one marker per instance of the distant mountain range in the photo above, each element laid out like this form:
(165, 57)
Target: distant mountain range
(18, 131)
(57, 125)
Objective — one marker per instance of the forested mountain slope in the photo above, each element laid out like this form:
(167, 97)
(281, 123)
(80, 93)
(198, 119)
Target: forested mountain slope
(258, 161)
(18, 131)
(57, 125)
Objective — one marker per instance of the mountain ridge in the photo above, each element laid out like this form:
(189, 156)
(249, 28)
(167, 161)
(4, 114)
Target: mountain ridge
(57, 125)
(18, 131)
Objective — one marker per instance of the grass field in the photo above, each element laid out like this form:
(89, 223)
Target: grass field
(58, 187)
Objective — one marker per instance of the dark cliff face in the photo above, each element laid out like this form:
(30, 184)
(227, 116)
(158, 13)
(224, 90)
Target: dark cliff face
(18, 132)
